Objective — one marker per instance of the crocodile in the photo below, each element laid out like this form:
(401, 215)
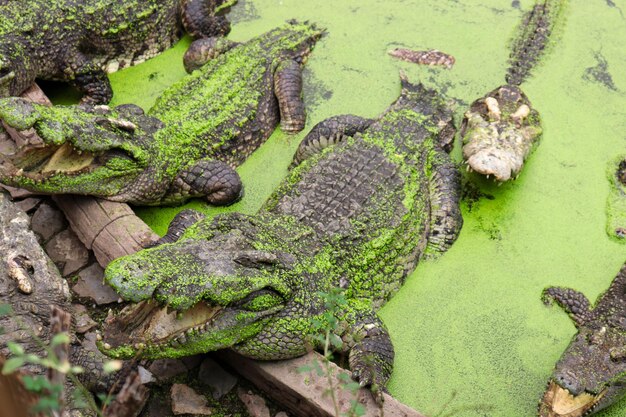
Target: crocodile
(79, 41)
(501, 128)
(185, 146)
(366, 200)
(31, 285)
(591, 373)
(616, 205)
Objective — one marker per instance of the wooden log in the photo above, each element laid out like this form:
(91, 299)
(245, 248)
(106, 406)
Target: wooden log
(110, 229)
(305, 394)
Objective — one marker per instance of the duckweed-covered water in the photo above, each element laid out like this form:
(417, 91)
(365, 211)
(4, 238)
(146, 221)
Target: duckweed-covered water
(472, 337)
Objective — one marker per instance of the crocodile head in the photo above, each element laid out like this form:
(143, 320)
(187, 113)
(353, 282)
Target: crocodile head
(195, 295)
(499, 131)
(294, 40)
(75, 149)
(591, 373)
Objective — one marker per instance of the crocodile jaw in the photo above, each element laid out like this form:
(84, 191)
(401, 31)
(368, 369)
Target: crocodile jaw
(559, 402)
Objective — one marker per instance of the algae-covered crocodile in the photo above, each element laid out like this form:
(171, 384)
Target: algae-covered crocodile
(616, 205)
(356, 216)
(81, 40)
(591, 373)
(185, 146)
(500, 129)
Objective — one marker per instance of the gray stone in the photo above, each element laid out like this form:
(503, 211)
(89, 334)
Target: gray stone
(47, 221)
(28, 204)
(83, 323)
(254, 404)
(145, 375)
(186, 401)
(281, 414)
(90, 286)
(166, 369)
(158, 406)
(67, 252)
(216, 378)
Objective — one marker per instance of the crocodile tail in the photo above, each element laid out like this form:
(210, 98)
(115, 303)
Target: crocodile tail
(533, 38)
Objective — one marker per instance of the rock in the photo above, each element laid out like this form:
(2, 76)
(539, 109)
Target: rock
(216, 378)
(281, 414)
(67, 252)
(145, 375)
(82, 321)
(254, 404)
(186, 401)
(165, 369)
(17, 192)
(193, 361)
(47, 221)
(28, 204)
(90, 285)
(158, 406)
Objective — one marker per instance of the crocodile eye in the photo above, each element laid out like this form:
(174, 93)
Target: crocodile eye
(262, 300)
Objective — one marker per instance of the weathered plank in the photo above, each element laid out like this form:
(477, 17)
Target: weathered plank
(306, 394)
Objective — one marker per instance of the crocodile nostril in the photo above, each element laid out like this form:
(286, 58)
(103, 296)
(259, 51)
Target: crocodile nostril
(569, 382)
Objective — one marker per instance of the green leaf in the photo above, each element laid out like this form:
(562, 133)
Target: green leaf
(358, 409)
(352, 386)
(112, 366)
(15, 348)
(12, 365)
(32, 358)
(36, 383)
(63, 367)
(336, 341)
(47, 404)
(60, 339)
(304, 368)
(5, 310)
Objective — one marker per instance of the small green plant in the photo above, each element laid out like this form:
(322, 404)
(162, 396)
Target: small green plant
(48, 392)
(328, 327)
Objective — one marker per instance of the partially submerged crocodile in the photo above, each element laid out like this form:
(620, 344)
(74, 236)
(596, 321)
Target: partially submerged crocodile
(80, 41)
(591, 373)
(357, 215)
(187, 144)
(500, 129)
(616, 205)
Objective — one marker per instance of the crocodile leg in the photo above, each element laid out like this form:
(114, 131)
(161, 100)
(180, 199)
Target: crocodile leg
(199, 18)
(179, 224)
(445, 214)
(573, 302)
(95, 85)
(371, 354)
(288, 91)
(91, 80)
(215, 180)
(202, 50)
(329, 132)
